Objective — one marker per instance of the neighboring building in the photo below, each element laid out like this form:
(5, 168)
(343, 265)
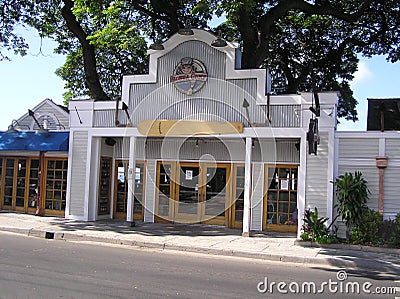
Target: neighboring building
(197, 140)
(34, 161)
(376, 153)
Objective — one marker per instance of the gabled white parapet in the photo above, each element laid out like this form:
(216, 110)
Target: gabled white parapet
(206, 37)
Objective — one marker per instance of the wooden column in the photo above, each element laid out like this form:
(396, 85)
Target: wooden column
(381, 163)
(41, 187)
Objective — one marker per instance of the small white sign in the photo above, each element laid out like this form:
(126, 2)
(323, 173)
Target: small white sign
(189, 175)
(284, 184)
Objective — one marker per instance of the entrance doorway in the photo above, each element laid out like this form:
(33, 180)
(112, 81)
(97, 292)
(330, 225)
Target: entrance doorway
(194, 193)
(121, 190)
(280, 201)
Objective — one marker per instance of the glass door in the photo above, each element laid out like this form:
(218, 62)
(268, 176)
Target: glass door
(215, 195)
(14, 184)
(56, 186)
(188, 209)
(238, 204)
(8, 184)
(103, 204)
(280, 203)
(165, 193)
(122, 190)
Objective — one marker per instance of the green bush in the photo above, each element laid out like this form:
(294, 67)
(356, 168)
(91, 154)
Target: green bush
(367, 231)
(314, 228)
(398, 221)
(373, 230)
(352, 195)
(390, 233)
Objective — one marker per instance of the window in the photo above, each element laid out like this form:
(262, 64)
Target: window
(104, 186)
(56, 184)
(239, 196)
(33, 183)
(281, 197)
(164, 190)
(139, 186)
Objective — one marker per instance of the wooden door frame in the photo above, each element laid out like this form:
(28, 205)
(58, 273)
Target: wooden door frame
(226, 219)
(185, 218)
(43, 189)
(122, 215)
(233, 223)
(276, 227)
(13, 206)
(2, 178)
(171, 199)
(174, 193)
(141, 216)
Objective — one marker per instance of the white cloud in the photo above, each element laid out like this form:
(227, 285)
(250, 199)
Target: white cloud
(363, 73)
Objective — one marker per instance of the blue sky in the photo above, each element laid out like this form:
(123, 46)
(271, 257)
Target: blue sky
(28, 80)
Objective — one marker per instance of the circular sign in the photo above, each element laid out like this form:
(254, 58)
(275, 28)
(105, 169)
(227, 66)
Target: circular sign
(189, 75)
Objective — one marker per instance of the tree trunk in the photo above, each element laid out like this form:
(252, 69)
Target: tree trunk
(89, 57)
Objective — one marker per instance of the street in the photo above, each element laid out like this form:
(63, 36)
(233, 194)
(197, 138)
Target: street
(40, 268)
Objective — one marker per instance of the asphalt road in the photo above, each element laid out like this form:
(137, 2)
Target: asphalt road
(39, 268)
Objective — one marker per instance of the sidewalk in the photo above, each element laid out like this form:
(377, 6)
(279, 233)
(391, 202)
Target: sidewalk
(203, 239)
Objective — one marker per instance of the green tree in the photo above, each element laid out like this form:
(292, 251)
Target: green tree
(296, 40)
(352, 195)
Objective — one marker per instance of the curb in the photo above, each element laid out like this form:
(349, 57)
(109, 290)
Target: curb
(68, 236)
(352, 247)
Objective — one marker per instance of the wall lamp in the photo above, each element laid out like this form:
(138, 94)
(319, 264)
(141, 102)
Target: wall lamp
(32, 114)
(126, 108)
(219, 42)
(186, 30)
(157, 46)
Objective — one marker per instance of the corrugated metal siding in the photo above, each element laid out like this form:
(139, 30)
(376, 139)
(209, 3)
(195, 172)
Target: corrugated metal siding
(257, 196)
(371, 175)
(213, 59)
(393, 148)
(217, 100)
(283, 151)
(285, 115)
(59, 122)
(105, 118)
(276, 151)
(392, 191)
(206, 149)
(150, 190)
(78, 179)
(358, 148)
(317, 177)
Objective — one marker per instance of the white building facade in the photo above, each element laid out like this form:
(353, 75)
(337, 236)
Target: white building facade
(198, 140)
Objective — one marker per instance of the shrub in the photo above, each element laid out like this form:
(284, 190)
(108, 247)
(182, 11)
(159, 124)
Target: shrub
(352, 195)
(373, 230)
(367, 232)
(390, 233)
(314, 228)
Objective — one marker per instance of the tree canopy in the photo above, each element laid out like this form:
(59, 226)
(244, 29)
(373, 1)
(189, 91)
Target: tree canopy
(305, 44)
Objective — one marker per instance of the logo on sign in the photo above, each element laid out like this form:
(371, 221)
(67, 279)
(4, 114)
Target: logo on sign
(189, 75)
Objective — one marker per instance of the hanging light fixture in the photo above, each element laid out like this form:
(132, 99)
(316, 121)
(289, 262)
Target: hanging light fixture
(219, 42)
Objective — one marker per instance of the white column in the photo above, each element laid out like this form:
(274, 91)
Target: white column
(131, 181)
(301, 183)
(247, 189)
(331, 176)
